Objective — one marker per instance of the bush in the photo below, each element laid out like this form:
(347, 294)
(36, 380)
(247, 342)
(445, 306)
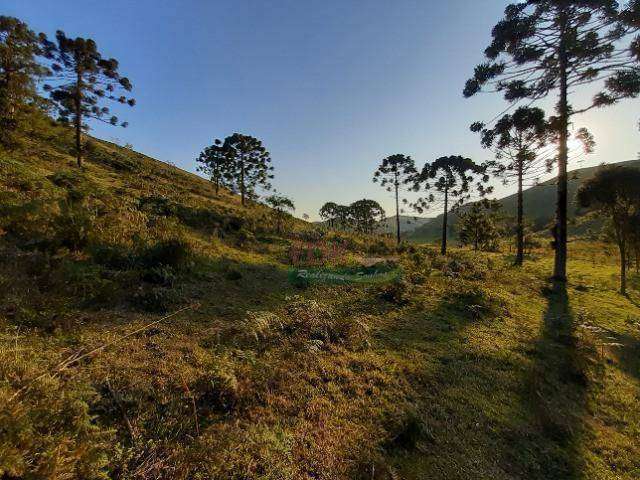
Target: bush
(72, 228)
(378, 247)
(217, 390)
(233, 274)
(154, 299)
(167, 253)
(162, 275)
(463, 265)
(396, 292)
(409, 432)
(155, 205)
(307, 324)
(476, 303)
(114, 257)
(74, 183)
(87, 283)
(244, 237)
(49, 432)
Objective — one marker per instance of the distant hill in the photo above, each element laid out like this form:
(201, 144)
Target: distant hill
(539, 205)
(408, 223)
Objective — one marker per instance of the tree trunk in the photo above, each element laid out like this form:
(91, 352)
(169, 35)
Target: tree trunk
(560, 264)
(78, 115)
(623, 267)
(397, 212)
(443, 248)
(242, 191)
(520, 227)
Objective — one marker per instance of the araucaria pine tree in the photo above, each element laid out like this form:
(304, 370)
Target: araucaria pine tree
(82, 81)
(329, 213)
(19, 47)
(517, 140)
(543, 46)
(395, 173)
(480, 225)
(215, 162)
(614, 193)
(365, 214)
(448, 182)
(251, 164)
(281, 205)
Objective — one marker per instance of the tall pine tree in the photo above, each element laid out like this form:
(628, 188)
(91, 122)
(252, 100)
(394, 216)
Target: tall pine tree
(448, 182)
(19, 48)
(517, 140)
(544, 46)
(82, 81)
(365, 215)
(614, 193)
(215, 162)
(280, 205)
(251, 164)
(395, 173)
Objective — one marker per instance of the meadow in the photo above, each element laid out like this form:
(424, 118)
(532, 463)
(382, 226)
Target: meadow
(148, 330)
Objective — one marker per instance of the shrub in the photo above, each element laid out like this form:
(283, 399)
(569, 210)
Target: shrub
(87, 283)
(396, 292)
(217, 390)
(260, 325)
(300, 282)
(73, 182)
(410, 430)
(72, 228)
(475, 303)
(114, 257)
(157, 205)
(160, 275)
(154, 299)
(49, 432)
(307, 324)
(379, 247)
(66, 179)
(463, 265)
(244, 237)
(233, 274)
(167, 253)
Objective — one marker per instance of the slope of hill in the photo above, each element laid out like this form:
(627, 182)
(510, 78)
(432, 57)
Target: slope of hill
(539, 206)
(408, 224)
(148, 330)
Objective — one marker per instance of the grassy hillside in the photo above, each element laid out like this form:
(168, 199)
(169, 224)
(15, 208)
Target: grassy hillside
(539, 206)
(408, 224)
(148, 331)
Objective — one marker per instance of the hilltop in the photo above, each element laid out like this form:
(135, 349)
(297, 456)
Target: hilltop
(539, 206)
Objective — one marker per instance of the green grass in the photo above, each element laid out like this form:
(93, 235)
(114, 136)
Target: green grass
(467, 368)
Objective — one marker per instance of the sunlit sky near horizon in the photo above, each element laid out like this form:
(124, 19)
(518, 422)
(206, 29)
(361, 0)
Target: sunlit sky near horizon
(330, 87)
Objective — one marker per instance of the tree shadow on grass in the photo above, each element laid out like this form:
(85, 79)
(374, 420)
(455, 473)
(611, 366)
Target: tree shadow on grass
(555, 395)
(626, 351)
(456, 381)
(475, 420)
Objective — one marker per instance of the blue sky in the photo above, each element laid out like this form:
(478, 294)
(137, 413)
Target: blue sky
(330, 87)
